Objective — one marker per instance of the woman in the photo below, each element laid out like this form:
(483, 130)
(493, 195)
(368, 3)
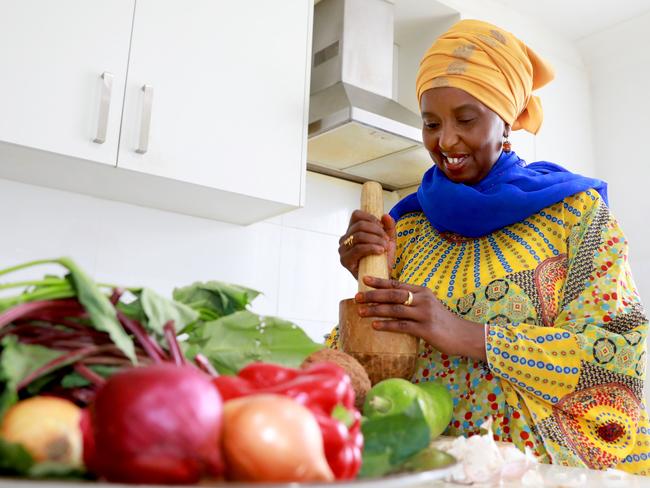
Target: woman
(515, 277)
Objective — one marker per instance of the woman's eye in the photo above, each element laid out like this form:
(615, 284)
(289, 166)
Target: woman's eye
(465, 121)
(432, 125)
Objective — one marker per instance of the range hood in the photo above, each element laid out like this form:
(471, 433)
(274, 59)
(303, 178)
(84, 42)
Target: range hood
(356, 130)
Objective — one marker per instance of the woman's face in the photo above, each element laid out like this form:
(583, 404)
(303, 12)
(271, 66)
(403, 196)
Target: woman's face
(463, 136)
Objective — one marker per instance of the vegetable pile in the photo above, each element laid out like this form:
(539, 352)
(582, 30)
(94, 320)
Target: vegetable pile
(125, 385)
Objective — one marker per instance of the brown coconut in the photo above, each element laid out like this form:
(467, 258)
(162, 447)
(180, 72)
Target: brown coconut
(358, 375)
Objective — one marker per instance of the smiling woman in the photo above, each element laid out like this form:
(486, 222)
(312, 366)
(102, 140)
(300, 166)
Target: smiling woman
(463, 136)
(514, 275)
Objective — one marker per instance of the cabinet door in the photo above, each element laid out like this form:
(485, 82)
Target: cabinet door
(228, 86)
(52, 57)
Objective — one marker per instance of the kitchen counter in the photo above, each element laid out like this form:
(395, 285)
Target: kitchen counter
(549, 476)
(546, 476)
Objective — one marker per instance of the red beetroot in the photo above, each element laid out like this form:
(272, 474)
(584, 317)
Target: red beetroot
(155, 424)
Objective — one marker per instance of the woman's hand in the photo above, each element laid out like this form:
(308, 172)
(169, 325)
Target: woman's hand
(367, 235)
(425, 317)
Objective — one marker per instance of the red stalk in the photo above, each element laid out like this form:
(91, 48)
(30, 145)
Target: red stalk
(63, 360)
(89, 374)
(68, 306)
(117, 294)
(172, 343)
(150, 347)
(205, 365)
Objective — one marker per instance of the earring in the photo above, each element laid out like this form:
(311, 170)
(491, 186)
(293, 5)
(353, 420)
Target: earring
(507, 147)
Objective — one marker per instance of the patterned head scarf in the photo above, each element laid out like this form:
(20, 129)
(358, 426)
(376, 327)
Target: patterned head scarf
(493, 66)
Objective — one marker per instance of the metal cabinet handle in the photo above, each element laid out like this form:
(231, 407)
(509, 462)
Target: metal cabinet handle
(104, 106)
(145, 121)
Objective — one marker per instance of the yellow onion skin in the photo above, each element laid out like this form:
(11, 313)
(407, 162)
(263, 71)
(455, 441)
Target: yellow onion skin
(272, 438)
(47, 427)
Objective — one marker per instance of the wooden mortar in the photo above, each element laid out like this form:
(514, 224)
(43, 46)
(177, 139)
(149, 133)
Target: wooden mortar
(383, 354)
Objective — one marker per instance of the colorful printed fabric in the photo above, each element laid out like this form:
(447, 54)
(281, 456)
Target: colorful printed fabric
(565, 332)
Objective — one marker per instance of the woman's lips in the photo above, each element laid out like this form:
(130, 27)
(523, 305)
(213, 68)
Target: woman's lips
(455, 163)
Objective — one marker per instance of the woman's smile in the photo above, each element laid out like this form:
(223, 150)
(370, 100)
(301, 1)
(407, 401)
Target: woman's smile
(463, 136)
(455, 163)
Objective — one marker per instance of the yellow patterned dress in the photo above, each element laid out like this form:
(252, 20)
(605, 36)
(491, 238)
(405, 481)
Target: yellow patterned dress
(565, 333)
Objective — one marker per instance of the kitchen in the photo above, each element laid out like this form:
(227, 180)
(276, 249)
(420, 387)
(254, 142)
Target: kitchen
(186, 224)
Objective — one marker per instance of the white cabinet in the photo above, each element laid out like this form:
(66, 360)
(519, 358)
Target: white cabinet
(228, 83)
(208, 109)
(52, 55)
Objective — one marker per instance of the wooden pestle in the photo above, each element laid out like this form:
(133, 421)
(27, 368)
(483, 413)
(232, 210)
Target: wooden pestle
(383, 354)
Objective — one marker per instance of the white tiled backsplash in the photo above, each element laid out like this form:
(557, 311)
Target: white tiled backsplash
(292, 259)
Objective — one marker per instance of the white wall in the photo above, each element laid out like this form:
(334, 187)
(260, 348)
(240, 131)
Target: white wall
(618, 61)
(292, 259)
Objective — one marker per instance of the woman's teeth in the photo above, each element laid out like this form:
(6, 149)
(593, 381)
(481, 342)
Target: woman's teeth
(453, 161)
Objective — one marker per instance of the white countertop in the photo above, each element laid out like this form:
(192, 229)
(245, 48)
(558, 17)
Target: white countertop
(548, 476)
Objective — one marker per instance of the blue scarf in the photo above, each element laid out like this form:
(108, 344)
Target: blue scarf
(509, 193)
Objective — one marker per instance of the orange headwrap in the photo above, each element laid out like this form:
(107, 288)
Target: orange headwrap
(493, 66)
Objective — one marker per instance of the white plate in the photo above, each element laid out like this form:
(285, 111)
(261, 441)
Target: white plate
(394, 481)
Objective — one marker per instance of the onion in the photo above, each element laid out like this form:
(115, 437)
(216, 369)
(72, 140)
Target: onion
(48, 427)
(272, 438)
(156, 424)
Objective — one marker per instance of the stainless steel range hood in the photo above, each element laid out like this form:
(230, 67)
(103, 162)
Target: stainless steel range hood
(356, 130)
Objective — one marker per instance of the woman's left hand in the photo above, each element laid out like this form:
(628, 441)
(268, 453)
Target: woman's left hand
(425, 317)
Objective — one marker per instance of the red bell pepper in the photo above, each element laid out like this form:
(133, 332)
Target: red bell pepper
(321, 388)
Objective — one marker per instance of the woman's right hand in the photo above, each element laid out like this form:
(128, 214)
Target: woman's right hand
(369, 236)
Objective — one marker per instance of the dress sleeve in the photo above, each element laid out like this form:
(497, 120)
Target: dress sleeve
(581, 374)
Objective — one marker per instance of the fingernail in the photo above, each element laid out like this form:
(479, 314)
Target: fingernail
(358, 297)
(376, 325)
(363, 310)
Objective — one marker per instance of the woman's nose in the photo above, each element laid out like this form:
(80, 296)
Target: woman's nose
(448, 139)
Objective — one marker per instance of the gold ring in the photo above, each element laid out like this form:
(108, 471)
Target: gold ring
(409, 300)
(348, 241)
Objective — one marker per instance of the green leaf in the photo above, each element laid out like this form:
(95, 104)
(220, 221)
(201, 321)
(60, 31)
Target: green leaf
(102, 313)
(390, 440)
(75, 380)
(343, 415)
(39, 384)
(236, 340)
(14, 459)
(428, 459)
(17, 361)
(51, 470)
(160, 310)
(214, 299)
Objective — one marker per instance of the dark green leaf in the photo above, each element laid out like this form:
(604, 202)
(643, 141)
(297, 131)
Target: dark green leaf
(390, 440)
(133, 309)
(17, 361)
(102, 313)
(52, 470)
(75, 380)
(14, 459)
(236, 340)
(39, 384)
(214, 299)
(159, 310)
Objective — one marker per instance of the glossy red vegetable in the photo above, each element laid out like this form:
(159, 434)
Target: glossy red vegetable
(156, 424)
(321, 388)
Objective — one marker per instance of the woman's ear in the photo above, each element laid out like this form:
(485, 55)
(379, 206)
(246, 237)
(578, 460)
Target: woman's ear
(506, 130)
